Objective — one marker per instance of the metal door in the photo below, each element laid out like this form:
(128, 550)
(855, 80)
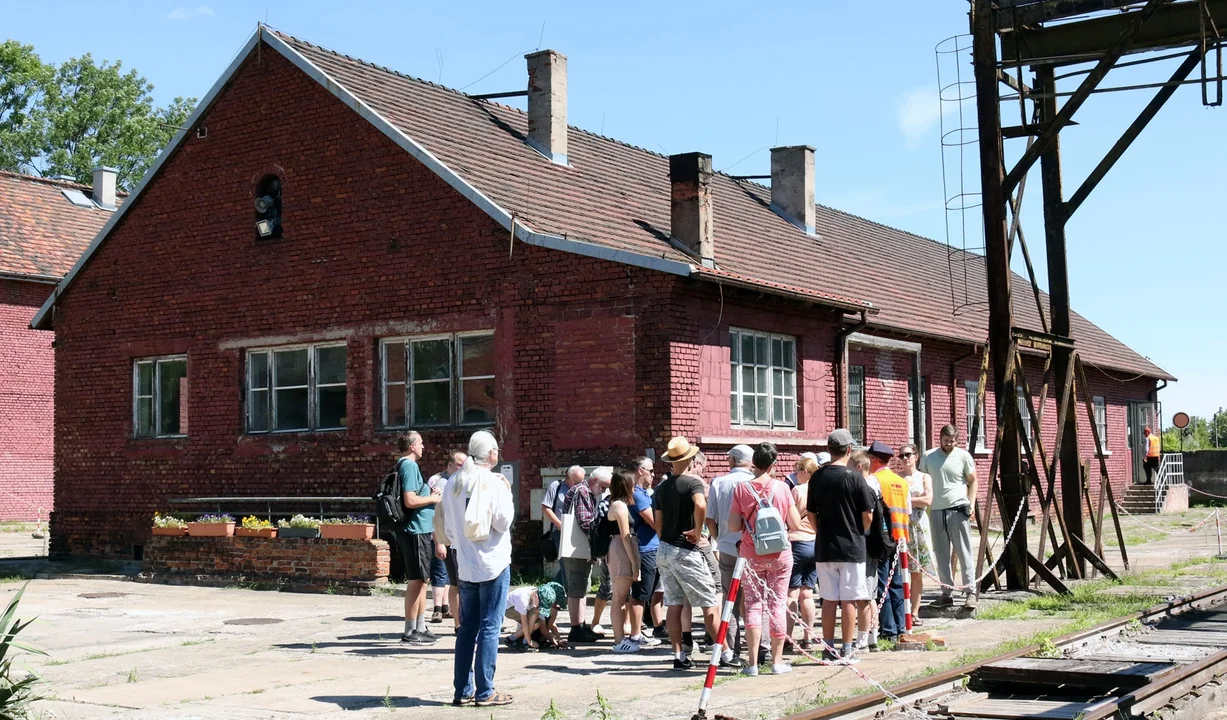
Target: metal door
(1142, 414)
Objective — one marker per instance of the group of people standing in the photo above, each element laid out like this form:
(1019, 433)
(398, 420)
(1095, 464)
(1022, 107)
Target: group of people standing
(835, 526)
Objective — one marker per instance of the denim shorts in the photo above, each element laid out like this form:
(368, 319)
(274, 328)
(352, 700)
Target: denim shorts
(438, 572)
(804, 566)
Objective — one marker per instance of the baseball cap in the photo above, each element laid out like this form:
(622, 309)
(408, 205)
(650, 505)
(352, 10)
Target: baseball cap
(840, 438)
(742, 453)
(881, 450)
(810, 455)
(824, 458)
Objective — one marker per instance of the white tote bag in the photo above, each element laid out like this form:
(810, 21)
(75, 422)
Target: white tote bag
(574, 541)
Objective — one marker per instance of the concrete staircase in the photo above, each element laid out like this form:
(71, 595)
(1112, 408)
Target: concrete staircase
(1139, 499)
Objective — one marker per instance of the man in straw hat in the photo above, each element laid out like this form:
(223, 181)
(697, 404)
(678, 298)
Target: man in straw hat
(679, 509)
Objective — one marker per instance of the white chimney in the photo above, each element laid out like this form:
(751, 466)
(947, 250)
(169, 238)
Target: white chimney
(547, 104)
(792, 185)
(104, 187)
(690, 205)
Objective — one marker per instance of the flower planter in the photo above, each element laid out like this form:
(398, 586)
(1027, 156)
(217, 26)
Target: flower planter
(210, 529)
(170, 531)
(309, 533)
(347, 532)
(260, 533)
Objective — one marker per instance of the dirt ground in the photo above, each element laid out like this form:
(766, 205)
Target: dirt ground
(121, 649)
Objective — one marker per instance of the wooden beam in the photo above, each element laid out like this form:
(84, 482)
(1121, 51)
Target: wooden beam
(1094, 559)
(1048, 576)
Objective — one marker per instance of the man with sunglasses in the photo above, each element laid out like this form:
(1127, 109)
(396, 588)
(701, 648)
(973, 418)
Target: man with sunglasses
(954, 489)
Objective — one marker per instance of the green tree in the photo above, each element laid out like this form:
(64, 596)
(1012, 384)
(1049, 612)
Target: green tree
(1197, 436)
(67, 120)
(22, 80)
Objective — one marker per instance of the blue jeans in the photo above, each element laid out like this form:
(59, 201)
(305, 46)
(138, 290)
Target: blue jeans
(893, 620)
(481, 618)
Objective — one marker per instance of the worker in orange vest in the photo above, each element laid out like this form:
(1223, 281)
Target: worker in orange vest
(892, 621)
(1151, 463)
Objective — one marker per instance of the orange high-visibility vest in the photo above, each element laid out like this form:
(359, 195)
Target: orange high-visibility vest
(895, 495)
(1152, 446)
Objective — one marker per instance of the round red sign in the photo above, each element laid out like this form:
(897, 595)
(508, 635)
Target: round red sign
(1180, 420)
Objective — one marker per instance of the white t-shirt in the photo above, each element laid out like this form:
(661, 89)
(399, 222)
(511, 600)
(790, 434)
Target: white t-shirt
(520, 599)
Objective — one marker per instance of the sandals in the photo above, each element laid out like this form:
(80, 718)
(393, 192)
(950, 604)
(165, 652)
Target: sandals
(496, 698)
(461, 702)
(916, 622)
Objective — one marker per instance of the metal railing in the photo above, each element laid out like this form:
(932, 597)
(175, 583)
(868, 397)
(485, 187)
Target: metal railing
(231, 505)
(1171, 472)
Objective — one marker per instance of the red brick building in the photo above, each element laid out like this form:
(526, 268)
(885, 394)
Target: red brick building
(332, 252)
(45, 225)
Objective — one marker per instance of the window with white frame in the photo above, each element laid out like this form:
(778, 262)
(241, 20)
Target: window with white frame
(296, 388)
(763, 387)
(159, 403)
(1024, 413)
(1101, 419)
(922, 439)
(856, 403)
(438, 380)
(971, 388)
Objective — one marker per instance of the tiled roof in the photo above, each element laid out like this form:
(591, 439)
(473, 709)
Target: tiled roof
(41, 232)
(617, 195)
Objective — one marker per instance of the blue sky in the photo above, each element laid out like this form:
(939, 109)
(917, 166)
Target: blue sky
(856, 80)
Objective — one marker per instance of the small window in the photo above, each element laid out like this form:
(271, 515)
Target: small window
(438, 381)
(159, 406)
(970, 389)
(763, 390)
(1024, 412)
(856, 403)
(921, 440)
(268, 207)
(1101, 419)
(296, 389)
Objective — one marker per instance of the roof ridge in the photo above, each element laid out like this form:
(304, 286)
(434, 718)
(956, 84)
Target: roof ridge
(45, 180)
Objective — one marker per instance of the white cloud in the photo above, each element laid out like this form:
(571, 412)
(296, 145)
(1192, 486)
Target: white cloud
(919, 111)
(186, 13)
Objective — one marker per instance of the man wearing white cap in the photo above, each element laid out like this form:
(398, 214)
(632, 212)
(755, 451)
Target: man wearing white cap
(719, 502)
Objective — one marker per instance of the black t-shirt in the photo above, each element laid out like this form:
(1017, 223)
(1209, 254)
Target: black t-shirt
(674, 500)
(838, 496)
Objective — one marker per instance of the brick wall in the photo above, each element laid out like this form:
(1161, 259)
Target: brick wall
(295, 563)
(27, 387)
(374, 245)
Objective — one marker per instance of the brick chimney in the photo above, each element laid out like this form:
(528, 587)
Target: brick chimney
(691, 204)
(104, 187)
(547, 104)
(792, 185)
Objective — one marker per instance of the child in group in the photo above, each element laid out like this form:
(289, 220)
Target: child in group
(533, 610)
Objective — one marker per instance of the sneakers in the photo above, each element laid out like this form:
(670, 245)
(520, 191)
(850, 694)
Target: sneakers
(597, 630)
(750, 671)
(781, 668)
(970, 602)
(848, 655)
(829, 655)
(428, 635)
(581, 634)
(680, 664)
(447, 613)
(660, 632)
(626, 646)
(943, 601)
(436, 617)
(645, 640)
(418, 637)
(688, 647)
(733, 662)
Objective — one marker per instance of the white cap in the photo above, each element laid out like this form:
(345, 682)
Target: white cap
(742, 453)
(824, 458)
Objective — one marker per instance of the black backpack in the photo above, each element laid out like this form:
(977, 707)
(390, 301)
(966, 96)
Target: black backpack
(389, 501)
(879, 543)
(601, 533)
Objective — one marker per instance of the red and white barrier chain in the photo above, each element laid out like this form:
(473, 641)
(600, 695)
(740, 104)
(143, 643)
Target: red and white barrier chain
(1182, 531)
(975, 583)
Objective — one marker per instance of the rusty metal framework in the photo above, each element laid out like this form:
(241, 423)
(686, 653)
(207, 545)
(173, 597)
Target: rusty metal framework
(1084, 39)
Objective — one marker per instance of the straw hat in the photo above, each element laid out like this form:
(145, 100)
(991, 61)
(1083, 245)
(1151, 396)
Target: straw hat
(680, 449)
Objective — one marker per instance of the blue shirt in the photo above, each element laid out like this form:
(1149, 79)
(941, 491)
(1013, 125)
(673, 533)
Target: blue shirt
(419, 521)
(648, 542)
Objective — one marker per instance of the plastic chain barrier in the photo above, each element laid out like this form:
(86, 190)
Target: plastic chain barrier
(1207, 494)
(1148, 526)
(975, 583)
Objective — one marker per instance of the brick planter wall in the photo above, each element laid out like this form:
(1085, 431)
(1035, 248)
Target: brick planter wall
(349, 566)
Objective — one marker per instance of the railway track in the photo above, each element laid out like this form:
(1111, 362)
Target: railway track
(1168, 658)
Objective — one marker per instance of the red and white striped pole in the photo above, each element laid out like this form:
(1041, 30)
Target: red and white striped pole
(907, 586)
(717, 650)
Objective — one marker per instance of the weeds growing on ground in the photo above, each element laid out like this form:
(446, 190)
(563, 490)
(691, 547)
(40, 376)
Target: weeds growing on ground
(602, 709)
(553, 713)
(15, 694)
(387, 699)
(132, 676)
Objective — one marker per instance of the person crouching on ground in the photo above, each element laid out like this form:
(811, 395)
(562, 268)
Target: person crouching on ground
(477, 518)
(623, 557)
(772, 570)
(533, 610)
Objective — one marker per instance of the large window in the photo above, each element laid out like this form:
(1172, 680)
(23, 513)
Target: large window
(159, 405)
(922, 438)
(763, 389)
(1101, 420)
(296, 388)
(1024, 412)
(438, 380)
(970, 389)
(856, 403)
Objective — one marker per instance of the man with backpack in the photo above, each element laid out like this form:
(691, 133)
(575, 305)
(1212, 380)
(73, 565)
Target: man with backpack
(897, 501)
(414, 539)
(581, 504)
(840, 507)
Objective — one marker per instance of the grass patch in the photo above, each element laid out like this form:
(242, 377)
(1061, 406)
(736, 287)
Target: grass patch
(1133, 537)
(387, 590)
(189, 643)
(17, 526)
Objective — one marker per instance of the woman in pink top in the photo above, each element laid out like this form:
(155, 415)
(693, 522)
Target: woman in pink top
(772, 570)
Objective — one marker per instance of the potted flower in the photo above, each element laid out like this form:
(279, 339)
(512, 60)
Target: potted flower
(299, 526)
(253, 526)
(211, 526)
(350, 527)
(168, 525)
